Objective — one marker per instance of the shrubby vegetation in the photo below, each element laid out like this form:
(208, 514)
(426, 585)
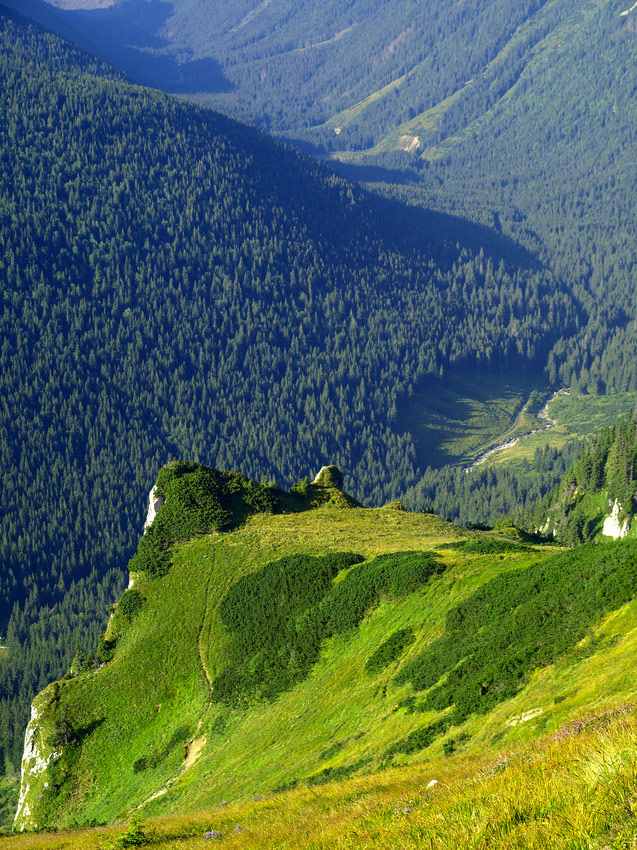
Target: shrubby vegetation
(277, 617)
(517, 622)
(390, 650)
(197, 500)
(130, 603)
(486, 546)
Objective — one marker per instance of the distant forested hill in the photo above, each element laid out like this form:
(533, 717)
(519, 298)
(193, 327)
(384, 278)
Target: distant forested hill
(176, 284)
(519, 116)
(288, 65)
(552, 162)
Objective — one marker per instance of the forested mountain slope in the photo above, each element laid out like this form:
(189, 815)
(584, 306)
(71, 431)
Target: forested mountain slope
(288, 65)
(557, 170)
(596, 498)
(521, 117)
(178, 284)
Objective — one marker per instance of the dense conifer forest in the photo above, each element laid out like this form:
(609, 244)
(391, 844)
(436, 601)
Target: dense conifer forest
(177, 284)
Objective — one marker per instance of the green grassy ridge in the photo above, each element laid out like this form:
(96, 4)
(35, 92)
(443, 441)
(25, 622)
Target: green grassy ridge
(156, 682)
(152, 704)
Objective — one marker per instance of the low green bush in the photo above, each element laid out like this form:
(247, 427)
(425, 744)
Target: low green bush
(136, 835)
(105, 649)
(521, 620)
(486, 546)
(332, 774)
(395, 575)
(198, 500)
(277, 617)
(420, 738)
(130, 603)
(390, 650)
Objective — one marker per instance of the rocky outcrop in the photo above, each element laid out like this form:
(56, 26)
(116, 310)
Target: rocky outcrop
(613, 526)
(155, 501)
(36, 760)
(329, 476)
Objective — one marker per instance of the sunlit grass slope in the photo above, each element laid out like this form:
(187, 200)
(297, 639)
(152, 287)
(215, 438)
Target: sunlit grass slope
(576, 788)
(183, 717)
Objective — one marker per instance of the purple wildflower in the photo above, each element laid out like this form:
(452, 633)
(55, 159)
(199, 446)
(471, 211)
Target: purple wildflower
(213, 833)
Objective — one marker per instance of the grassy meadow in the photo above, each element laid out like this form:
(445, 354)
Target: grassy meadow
(577, 416)
(454, 420)
(467, 416)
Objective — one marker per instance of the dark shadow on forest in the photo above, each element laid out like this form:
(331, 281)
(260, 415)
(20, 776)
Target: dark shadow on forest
(446, 237)
(451, 418)
(126, 36)
(444, 234)
(370, 173)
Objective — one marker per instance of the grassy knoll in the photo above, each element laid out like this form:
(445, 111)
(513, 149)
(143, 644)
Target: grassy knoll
(325, 644)
(132, 722)
(573, 789)
(156, 701)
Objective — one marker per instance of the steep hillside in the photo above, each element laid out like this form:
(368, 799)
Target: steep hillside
(311, 644)
(564, 789)
(597, 497)
(177, 284)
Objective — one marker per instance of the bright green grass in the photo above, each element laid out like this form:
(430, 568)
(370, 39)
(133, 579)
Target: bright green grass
(577, 790)
(156, 684)
(464, 415)
(341, 718)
